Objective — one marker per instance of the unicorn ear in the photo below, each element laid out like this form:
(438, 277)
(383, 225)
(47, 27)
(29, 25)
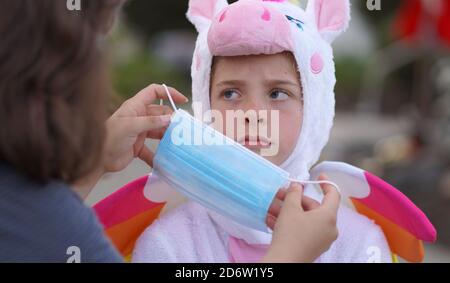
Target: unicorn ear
(332, 17)
(201, 12)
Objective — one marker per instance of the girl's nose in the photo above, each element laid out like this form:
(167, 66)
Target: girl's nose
(256, 102)
(255, 107)
(260, 119)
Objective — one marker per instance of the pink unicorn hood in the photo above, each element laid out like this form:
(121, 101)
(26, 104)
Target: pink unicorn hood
(253, 27)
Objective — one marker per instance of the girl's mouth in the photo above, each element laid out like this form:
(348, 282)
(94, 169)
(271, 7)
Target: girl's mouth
(255, 143)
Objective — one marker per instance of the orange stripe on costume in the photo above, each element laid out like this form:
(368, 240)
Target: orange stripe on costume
(401, 242)
(125, 234)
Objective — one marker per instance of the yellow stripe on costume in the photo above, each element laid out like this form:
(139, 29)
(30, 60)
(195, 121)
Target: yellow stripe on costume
(395, 258)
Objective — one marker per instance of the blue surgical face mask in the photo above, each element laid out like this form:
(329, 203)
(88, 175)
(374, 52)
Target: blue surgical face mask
(217, 172)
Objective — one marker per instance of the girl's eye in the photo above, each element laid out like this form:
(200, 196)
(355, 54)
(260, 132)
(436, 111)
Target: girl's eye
(279, 95)
(231, 95)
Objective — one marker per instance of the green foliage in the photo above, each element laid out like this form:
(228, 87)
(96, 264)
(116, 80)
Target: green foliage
(141, 70)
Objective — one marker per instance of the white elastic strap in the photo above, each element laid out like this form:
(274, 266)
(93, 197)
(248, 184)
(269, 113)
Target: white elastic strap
(317, 183)
(170, 98)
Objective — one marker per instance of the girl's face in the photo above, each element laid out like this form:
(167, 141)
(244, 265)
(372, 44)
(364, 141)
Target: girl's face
(258, 83)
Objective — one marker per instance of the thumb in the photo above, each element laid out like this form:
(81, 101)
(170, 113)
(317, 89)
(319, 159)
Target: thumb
(294, 196)
(332, 197)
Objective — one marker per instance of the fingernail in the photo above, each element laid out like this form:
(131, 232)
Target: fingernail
(296, 185)
(186, 99)
(166, 119)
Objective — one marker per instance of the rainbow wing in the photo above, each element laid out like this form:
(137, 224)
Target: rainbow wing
(404, 225)
(127, 213)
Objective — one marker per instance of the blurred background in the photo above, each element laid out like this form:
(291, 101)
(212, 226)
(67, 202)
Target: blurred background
(393, 92)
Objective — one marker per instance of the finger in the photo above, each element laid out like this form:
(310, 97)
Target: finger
(271, 221)
(157, 134)
(143, 124)
(158, 110)
(177, 96)
(146, 155)
(294, 196)
(281, 194)
(139, 144)
(275, 208)
(149, 94)
(332, 197)
(309, 203)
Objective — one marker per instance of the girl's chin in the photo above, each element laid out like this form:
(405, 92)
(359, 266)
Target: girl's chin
(274, 159)
(277, 160)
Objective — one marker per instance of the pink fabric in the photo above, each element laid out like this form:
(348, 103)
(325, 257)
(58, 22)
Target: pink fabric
(249, 27)
(124, 203)
(266, 16)
(331, 15)
(241, 252)
(222, 17)
(395, 206)
(317, 63)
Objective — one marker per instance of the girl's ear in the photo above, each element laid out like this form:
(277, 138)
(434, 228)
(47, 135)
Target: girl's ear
(332, 17)
(201, 12)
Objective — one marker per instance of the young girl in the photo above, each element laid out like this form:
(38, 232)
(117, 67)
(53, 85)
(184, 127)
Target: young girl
(258, 55)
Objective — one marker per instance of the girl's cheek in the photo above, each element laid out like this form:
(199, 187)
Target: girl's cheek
(290, 128)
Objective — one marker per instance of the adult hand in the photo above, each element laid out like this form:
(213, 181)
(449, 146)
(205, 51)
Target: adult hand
(302, 228)
(135, 121)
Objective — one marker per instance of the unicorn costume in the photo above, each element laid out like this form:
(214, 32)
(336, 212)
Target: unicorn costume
(192, 233)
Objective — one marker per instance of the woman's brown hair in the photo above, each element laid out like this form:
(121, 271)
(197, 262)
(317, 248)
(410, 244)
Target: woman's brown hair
(52, 87)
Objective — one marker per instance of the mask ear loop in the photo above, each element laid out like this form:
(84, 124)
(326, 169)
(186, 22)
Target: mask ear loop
(317, 183)
(170, 98)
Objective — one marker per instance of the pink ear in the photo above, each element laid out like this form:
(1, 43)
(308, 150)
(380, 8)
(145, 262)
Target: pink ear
(332, 16)
(201, 12)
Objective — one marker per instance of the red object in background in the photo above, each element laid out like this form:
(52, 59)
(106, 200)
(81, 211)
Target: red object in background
(414, 18)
